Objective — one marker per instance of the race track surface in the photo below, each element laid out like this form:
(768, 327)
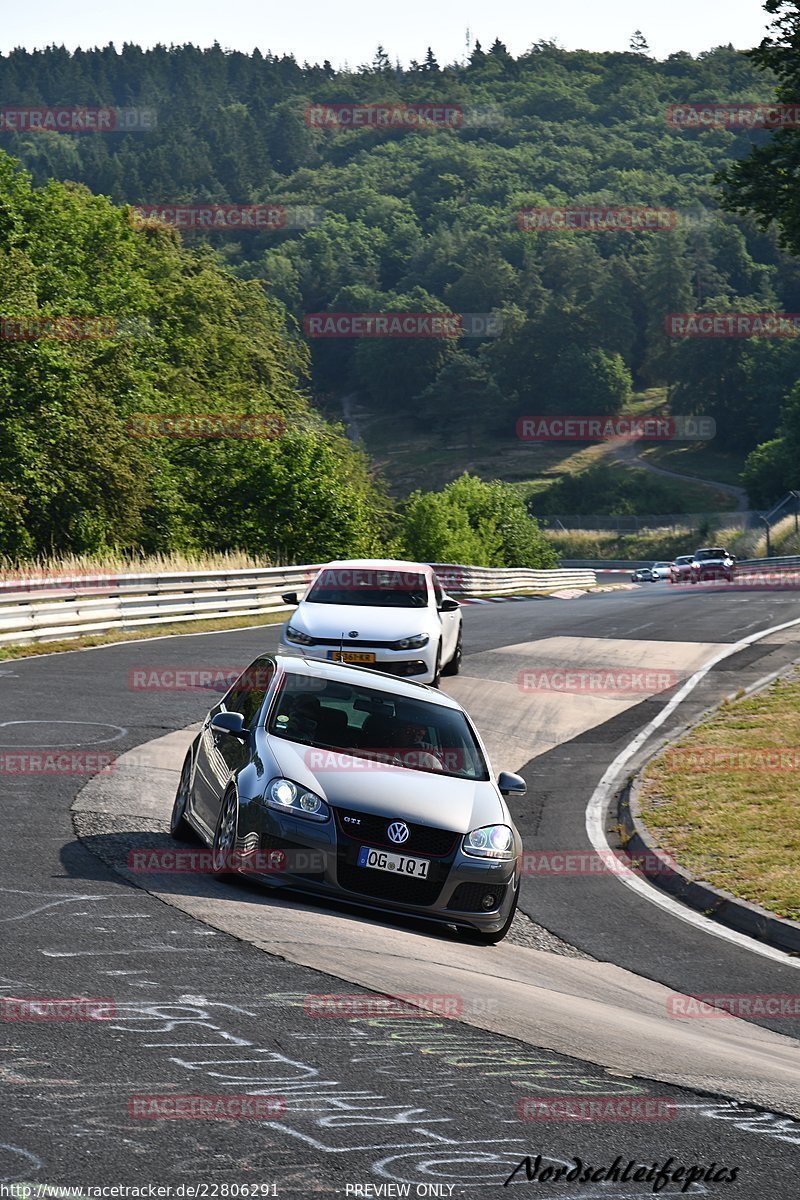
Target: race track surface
(210, 982)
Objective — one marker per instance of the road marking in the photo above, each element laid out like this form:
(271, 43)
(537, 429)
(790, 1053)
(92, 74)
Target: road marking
(598, 806)
(71, 742)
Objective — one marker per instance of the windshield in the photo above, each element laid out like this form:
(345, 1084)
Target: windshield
(390, 731)
(376, 589)
(716, 552)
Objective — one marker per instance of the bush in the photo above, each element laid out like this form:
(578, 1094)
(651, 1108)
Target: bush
(470, 521)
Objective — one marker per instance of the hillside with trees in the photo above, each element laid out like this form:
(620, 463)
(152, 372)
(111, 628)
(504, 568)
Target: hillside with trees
(408, 220)
(180, 337)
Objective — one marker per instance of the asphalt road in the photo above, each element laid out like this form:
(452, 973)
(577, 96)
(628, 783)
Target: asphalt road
(367, 1102)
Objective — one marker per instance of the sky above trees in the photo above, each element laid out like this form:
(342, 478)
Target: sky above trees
(349, 34)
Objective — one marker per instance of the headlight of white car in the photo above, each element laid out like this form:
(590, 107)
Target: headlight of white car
(492, 841)
(297, 635)
(415, 642)
(289, 796)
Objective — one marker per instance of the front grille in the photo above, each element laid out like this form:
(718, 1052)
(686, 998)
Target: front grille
(414, 667)
(382, 885)
(353, 643)
(371, 830)
(468, 897)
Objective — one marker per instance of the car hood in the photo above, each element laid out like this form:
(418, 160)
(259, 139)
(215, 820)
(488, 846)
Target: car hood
(372, 624)
(426, 798)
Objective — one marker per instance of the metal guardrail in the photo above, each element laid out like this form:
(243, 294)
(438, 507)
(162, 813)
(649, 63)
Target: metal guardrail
(55, 608)
(767, 564)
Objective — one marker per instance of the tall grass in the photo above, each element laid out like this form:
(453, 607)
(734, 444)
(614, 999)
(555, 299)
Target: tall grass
(121, 564)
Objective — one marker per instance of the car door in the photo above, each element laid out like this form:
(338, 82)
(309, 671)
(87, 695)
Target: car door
(220, 755)
(449, 621)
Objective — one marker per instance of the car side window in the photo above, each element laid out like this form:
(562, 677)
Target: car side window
(248, 692)
(437, 591)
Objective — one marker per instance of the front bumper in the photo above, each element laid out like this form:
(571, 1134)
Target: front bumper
(414, 664)
(321, 859)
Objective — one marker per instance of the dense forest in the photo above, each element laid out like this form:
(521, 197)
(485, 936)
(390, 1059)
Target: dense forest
(405, 220)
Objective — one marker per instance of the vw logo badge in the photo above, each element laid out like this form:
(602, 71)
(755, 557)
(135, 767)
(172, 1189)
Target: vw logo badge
(399, 832)
(353, 633)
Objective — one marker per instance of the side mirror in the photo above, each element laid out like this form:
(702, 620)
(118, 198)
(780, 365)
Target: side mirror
(231, 723)
(511, 785)
(289, 597)
(449, 605)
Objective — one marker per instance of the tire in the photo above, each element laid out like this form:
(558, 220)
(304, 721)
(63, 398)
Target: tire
(225, 835)
(454, 666)
(478, 938)
(179, 827)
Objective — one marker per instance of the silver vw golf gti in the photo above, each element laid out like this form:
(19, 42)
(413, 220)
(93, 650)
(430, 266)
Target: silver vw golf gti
(343, 782)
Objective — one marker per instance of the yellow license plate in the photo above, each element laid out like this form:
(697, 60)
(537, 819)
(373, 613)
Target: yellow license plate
(351, 656)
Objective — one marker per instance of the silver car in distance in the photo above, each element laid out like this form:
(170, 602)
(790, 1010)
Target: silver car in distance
(344, 782)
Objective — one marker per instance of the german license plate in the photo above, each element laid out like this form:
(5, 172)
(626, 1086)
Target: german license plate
(351, 656)
(383, 860)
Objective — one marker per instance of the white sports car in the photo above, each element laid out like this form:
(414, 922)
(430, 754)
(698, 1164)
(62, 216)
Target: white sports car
(390, 616)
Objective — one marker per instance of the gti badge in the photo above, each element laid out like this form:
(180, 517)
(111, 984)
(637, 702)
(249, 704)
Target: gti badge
(399, 832)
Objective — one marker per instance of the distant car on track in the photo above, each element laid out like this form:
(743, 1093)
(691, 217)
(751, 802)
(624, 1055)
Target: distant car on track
(680, 570)
(391, 616)
(651, 574)
(345, 783)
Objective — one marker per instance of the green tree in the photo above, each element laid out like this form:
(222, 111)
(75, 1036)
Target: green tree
(470, 521)
(765, 181)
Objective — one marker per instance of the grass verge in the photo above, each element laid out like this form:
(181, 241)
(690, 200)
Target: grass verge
(724, 800)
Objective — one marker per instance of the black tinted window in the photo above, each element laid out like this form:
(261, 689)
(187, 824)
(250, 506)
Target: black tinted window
(247, 694)
(360, 722)
(368, 587)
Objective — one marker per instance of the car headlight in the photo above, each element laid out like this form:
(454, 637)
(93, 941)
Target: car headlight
(297, 635)
(492, 841)
(291, 797)
(415, 642)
